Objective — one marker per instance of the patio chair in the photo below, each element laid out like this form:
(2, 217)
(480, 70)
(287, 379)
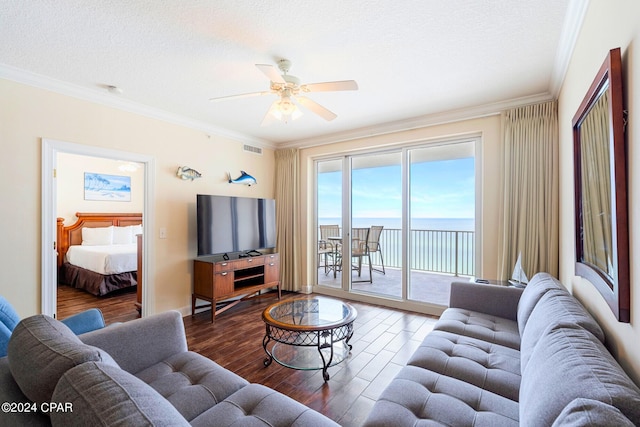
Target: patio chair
(327, 248)
(374, 245)
(360, 249)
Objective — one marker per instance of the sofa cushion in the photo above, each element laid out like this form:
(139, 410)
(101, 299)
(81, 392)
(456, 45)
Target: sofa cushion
(41, 350)
(417, 397)
(8, 321)
(100, 394)
(482, 326)
(8, 315)
(587, 413)
(257, 405)
(489, 366)
(10, 392)
(539, 285)
(554, 308)
(191, 382)
(570, 363)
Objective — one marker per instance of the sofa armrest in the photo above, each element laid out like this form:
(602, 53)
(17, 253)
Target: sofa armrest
(87, 321)
(140, 343)
(495, 300)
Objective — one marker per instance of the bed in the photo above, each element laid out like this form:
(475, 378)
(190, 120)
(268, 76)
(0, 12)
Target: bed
(99, 252)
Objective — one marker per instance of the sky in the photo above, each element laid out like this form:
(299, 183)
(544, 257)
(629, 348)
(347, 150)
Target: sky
(439, 189)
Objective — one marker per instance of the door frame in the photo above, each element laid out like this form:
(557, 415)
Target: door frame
(403, 303)
(50, 150)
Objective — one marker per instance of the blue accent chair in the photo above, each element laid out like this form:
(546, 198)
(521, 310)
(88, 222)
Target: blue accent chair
(80, 323)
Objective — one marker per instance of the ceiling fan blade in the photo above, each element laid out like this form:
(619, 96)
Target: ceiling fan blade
(271, 72)
(316, 108)
(242, 95)
(330, 86)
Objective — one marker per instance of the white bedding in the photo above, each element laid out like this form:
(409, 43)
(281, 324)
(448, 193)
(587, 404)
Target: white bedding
(104, 259)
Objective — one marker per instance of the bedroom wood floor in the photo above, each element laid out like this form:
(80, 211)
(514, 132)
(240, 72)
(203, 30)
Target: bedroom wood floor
(383, 341)
(115, 307)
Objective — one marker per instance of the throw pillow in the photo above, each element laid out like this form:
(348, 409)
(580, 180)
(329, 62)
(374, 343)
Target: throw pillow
(41, 349)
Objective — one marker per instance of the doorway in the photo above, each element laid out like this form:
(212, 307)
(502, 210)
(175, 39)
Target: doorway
(50, 150)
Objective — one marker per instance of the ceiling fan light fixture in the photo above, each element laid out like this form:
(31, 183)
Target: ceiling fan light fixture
(285, 109)
(286, 105)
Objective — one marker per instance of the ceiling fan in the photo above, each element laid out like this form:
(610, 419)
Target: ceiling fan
(290, 93)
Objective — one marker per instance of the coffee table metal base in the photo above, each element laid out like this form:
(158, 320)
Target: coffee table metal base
(308, 350)
(308, 333)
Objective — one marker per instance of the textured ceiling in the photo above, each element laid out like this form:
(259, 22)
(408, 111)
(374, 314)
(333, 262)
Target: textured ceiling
(410, 59)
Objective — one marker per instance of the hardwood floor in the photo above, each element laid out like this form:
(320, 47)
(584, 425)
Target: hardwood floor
(383, 341)
(116, 307)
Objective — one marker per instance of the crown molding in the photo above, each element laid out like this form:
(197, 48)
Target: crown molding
(420, 121)
(573, 19)
(100, 97)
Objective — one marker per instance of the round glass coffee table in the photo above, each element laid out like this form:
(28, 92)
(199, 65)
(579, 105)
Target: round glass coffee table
(308, 333)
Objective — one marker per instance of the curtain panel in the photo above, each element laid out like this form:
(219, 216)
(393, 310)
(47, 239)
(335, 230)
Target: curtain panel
(596, 192)
(530, 188)
(287, 219)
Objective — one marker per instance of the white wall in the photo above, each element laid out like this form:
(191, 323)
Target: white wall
(28, 114)
(70, 172)
(607, 25)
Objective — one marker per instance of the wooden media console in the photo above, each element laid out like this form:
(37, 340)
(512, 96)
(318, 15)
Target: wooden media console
(220, 281)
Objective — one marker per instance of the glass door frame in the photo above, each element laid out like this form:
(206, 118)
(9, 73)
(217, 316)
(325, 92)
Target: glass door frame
(405, 221)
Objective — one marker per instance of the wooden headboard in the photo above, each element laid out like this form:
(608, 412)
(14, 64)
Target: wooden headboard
(72, 235)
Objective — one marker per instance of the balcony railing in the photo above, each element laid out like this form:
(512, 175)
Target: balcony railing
(439, 251)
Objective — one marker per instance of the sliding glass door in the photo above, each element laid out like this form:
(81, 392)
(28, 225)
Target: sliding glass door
(441, 218)
(329, 219)
(376, 222)
(398, 223)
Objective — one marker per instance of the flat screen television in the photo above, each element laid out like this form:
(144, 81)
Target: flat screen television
(228, 224)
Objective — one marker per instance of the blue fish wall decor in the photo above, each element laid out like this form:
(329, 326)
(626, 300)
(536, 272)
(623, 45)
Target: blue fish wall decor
(244, 178)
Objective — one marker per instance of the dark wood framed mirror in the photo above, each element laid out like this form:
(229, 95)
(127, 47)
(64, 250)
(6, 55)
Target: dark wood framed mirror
(600, 174)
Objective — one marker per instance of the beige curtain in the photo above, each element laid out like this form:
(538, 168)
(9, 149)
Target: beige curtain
(596, 187)
(530, 212)
(287, 218)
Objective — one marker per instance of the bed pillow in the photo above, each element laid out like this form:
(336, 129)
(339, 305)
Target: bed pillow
(135, 230)
(97, 236)
(122, 235)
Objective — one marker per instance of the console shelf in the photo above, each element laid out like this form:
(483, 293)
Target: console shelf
(223, 281)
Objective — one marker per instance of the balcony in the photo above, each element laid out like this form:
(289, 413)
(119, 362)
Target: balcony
(437, 258)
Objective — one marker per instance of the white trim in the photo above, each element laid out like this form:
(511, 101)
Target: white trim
(405, 221)
(104, 98)
(50, 149)
(479, 205)
(100, 97)
(49, 230)
(573, 18)
(407, 305)
(420, 122)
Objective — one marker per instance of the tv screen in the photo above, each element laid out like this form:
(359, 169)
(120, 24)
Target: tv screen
(229, 224)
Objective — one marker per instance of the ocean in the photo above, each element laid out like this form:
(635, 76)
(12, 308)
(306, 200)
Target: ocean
(446, 224)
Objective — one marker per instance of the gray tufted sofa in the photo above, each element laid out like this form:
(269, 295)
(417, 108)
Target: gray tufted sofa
(501, 356)
(137, 373)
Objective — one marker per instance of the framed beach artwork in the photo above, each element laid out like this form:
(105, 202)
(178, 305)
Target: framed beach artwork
(110, 188)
